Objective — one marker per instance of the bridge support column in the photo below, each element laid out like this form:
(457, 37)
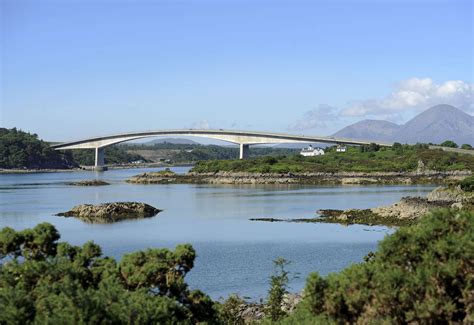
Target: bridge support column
(244, 151)
(99, 165)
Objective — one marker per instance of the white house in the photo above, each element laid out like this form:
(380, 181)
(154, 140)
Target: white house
(341, 148)
(310, 151)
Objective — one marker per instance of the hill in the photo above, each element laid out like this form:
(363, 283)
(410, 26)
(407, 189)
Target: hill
(23, 150)
(376, 130)
(435, 125)
(20, 149)
(401, 158)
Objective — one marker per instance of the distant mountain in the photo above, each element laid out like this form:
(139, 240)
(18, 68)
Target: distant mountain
(376, 130)
(435, 125)
(170, 140)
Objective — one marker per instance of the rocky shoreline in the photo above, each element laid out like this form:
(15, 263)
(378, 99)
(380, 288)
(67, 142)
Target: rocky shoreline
(344, 178)
(111, 212)
(405, 212)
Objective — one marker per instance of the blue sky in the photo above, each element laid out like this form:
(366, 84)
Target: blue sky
(74, 68)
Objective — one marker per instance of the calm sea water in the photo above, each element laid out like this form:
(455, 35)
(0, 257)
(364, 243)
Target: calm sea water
(234, 255)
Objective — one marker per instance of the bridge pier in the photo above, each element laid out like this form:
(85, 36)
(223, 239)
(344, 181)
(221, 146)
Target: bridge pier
(99, 165)
(244, 151)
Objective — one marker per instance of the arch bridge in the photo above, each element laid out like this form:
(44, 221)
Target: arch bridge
(242, 138)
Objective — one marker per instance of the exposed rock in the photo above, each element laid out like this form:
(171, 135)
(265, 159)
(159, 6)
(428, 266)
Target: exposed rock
(90, 182)
(290, 301)
(410, 208)
(267, 219)
(416, 177)
(449, 194)
(250, 313)
(404, 212)
(111, 212)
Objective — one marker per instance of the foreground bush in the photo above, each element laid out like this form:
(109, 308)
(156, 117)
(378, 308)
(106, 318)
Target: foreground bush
(43, 281)
(420, 274)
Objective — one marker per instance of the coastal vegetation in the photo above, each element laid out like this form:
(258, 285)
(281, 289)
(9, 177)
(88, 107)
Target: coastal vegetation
(420, 274)
(113, 155)
(193, 152)
(372, 158)
(24, 150)
(49, 282)
(423, 273)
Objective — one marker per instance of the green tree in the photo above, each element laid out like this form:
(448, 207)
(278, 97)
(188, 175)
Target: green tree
(466, 146)
(19, 149)
(43, 281)
(449, 143)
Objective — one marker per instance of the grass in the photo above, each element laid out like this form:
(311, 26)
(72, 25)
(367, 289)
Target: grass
(402, 159)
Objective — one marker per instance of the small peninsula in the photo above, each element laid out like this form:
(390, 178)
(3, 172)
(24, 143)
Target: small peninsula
(399, 164)
(407, 211)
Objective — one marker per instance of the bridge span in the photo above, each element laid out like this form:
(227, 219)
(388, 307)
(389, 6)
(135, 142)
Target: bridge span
(242, 138)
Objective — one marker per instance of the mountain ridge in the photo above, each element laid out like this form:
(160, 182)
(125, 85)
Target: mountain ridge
(434, 125)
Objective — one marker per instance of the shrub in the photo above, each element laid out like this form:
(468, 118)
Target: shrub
(43, 281)
(449, 143)
(278, 289)
(467, 184)
(420, 274)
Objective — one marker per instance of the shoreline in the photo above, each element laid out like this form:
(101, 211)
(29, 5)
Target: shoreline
(341, 178)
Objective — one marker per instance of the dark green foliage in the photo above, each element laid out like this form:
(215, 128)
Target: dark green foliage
(449, 143)
(19, 149)
(43, 281)
(278, 289)
(467, 184)
(466, 146)
(394, 159)
(113, 155)
(373, 147)
(421, 274)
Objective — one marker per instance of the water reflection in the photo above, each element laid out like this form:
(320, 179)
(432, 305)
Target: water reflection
(234, 254)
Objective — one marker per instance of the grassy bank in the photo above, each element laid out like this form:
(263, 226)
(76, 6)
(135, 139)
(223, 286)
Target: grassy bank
(400, 158)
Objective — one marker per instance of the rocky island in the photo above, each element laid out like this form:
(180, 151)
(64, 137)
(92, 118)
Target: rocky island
(89, 182)
(111, 212)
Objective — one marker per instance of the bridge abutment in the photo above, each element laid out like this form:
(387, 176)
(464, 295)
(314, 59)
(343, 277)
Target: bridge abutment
(244, 151)
(99, 160)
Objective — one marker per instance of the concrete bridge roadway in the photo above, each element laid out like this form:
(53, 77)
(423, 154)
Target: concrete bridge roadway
(242, 138)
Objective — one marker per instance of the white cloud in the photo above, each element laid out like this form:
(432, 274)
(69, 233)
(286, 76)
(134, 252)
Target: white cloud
(416, 94)
(316, 118)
